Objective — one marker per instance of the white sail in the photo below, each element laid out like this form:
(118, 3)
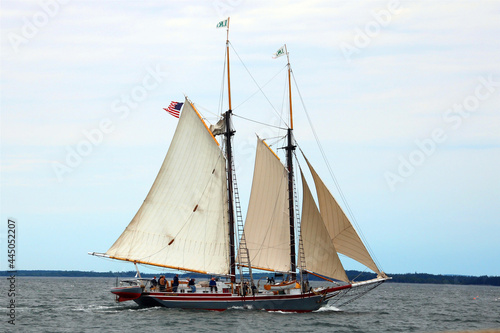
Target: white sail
(344, 236)
(267, 229)
(183, 223)
(319, 251)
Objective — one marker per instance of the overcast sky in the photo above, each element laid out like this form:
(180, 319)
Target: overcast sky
(404, 96)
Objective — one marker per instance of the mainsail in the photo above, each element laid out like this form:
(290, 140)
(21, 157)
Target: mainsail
(340, 229)
(266, 226)
(183, 222)
(319, 251)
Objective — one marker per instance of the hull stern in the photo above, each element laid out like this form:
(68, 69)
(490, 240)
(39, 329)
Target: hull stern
(129, 293)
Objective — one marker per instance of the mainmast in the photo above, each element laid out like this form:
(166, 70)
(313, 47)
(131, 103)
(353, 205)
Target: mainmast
(229, 156)
(289, 162)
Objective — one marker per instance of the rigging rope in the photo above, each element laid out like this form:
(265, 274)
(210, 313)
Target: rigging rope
(221, 96)
(260, 89)
(258, 122)
(276, 140)
(350, 212)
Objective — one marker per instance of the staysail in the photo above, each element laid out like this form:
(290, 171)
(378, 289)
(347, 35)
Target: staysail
(319, 251)
(344, 236)
(183, 222)
(267, 231)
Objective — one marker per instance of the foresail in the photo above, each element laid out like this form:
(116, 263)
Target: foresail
(319, 251)
(183, 222)
(267, 229)
(344, 236)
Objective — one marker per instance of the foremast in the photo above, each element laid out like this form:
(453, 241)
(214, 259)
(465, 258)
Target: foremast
(290, 147)
(229, 132)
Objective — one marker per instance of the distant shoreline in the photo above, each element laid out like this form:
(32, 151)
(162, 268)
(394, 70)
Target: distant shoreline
(357, 275)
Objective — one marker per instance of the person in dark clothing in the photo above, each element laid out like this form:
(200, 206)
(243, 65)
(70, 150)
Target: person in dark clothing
(254, 289)
(175, 283)
(213, 285)
(191, 284)
(154, 283)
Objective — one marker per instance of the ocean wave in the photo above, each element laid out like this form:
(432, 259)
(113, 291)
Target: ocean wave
(245, 307)
(328, 308)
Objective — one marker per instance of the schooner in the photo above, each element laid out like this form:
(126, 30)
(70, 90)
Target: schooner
(191, 221)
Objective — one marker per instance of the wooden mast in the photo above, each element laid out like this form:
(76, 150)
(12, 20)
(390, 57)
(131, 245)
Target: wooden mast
(228, 73)
(289, 162)
(229, 156)
(289, 87)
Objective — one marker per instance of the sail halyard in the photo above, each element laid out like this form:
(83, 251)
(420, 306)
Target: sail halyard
(189, 194)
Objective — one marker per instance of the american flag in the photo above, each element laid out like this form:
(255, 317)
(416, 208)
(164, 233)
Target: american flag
(174, 109)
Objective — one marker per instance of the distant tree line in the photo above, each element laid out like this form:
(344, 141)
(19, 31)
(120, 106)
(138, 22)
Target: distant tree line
(429, 278)
(447, 279)
(352, 275)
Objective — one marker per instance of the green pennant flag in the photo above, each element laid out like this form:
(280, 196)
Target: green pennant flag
(222, 24)
(280, 52)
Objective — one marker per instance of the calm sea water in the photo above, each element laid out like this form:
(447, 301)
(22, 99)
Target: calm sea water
(86, 305)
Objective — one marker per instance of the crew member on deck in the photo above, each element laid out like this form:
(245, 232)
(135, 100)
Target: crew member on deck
(162, 282)
(154, 283)
(254, 289)
(191, 284)
(245, 288)
(213, 285)
(175, 283)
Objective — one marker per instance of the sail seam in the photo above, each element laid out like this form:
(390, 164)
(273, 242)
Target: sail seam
(189, 219)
